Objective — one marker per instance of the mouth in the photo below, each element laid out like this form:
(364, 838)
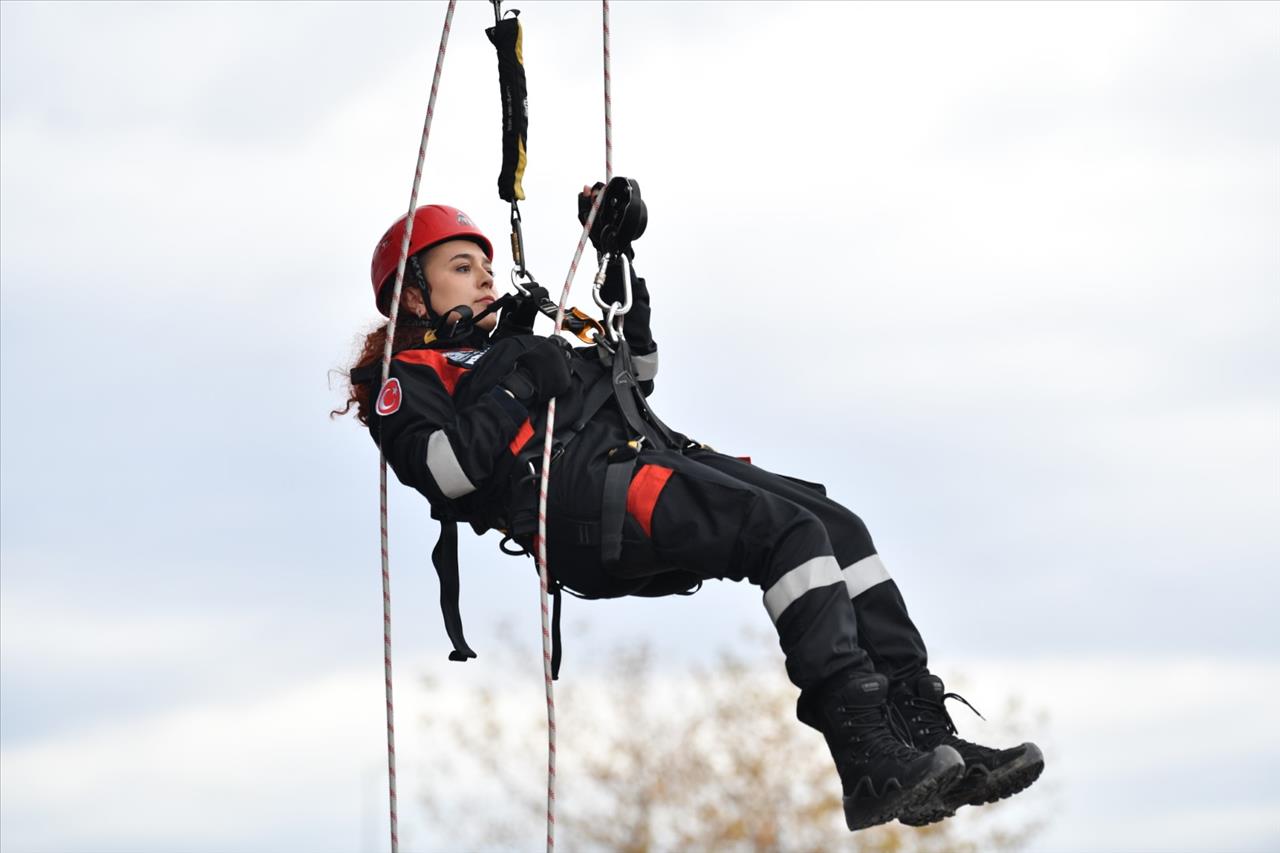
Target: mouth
(484, 300)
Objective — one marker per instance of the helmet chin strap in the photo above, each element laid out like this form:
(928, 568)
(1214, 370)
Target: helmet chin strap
(420, 279)
(464, 326)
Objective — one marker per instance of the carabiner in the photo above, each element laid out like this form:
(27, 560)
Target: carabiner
(517, 241)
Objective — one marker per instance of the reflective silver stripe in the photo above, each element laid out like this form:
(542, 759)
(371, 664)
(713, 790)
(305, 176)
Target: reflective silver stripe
(864, 574)
(444, 467)
(645, 366)
(813, 574)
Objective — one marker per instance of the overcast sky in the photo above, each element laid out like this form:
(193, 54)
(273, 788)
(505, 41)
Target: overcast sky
(1005, 277)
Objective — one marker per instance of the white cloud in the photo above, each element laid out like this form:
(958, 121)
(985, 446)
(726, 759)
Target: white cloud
(1006, 274)
(285, 768)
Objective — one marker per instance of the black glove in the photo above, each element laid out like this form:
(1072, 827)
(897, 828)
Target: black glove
(621, 219)
(541, 372)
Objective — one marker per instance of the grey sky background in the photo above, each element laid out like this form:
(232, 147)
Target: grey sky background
(1004, 277)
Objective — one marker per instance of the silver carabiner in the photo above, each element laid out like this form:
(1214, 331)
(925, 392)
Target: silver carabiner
(614, 312)
(515, 274)
(613, 322)
(598, 282)
(626, 282)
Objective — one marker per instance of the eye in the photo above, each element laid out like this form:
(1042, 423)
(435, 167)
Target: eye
(464, 268)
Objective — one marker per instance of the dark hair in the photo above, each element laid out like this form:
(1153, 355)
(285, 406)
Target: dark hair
(361, 394)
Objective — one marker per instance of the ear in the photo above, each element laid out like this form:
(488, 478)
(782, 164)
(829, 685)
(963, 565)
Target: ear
(411, 301)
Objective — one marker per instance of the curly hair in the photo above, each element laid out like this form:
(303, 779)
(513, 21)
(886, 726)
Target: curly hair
(361, 395)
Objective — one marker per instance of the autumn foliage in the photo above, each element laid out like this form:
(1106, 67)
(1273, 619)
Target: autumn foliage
(711, 760)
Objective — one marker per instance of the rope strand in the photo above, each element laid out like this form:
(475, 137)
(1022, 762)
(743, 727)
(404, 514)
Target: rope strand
(548, 441)
(608, 101)
(541, 546)
(382, 459)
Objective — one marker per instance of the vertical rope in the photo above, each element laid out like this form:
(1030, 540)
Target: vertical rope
(608, 101)
(382, 459)
(540, 550)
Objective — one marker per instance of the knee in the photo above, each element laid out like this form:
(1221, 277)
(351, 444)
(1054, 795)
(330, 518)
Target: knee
(775, 514)
(850, 536)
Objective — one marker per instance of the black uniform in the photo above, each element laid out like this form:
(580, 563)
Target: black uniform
(450, 431)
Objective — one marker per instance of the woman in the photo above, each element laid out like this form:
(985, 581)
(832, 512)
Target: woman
(637, 509)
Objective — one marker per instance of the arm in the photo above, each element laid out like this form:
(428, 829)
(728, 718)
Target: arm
(443, 452)
(446, 452)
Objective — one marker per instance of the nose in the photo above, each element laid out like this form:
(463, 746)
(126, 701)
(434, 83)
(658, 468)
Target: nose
(486, 279)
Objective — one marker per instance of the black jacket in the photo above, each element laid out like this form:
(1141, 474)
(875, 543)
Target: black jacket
(448, 430)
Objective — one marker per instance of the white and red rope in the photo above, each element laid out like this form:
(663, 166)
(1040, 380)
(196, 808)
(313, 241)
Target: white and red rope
(608, 101)
(548, 441)
(382, 459)
(541, 546)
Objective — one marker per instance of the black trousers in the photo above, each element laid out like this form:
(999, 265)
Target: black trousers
(703, 515)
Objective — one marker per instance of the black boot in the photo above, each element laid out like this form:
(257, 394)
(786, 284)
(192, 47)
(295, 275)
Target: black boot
(989, 774)
(880, 775)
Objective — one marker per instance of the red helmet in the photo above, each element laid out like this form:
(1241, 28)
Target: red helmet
(432, 224)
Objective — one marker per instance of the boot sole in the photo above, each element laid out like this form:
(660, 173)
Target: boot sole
(946, 767)
(980, 790)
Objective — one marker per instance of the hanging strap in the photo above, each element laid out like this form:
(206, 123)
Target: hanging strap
(507, 38)
(557, 647)
(445, 558)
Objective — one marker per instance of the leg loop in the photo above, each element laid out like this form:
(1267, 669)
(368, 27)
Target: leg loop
(613, 510)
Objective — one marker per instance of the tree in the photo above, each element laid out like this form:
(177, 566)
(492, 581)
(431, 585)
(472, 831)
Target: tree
(708, 760)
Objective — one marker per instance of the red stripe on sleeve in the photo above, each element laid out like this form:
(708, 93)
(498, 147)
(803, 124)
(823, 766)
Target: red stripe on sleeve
(448, 372)
(522, 438)
(642, 494)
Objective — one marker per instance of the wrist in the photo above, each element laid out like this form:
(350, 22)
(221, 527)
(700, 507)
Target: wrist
(520, 385)
(516, 410)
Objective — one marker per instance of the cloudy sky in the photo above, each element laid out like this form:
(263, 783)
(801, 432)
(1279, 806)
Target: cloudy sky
(1006, 278)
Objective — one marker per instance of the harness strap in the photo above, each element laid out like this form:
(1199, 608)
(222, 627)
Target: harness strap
(597, 395)
(556, 646)
(632, 404)
(445, 558)
(518, 319)
(613, 509)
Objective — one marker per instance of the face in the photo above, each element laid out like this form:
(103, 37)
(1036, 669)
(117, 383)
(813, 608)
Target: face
(458, 273)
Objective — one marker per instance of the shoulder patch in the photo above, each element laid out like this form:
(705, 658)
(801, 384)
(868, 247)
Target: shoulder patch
(465, 358)
(389, 399)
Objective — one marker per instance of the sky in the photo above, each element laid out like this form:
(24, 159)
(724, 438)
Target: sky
(1004, 277)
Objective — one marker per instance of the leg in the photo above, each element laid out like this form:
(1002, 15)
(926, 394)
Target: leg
(712, 524)
(885, 630)
(896, 649)
(688, 516)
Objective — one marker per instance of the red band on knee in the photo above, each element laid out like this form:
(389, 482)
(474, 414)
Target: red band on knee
(642, 495)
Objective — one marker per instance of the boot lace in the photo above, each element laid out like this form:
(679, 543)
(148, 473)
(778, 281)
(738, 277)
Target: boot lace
(879, 730)
(931, 718)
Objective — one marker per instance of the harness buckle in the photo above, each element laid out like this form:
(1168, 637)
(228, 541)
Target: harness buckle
(557, 450)
(626, 452)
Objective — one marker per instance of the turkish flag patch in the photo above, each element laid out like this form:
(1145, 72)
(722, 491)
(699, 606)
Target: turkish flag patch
(389, 399)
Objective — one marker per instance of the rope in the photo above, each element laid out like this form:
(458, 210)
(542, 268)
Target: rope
(382, 459)
(548, 440)
(608, 102)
